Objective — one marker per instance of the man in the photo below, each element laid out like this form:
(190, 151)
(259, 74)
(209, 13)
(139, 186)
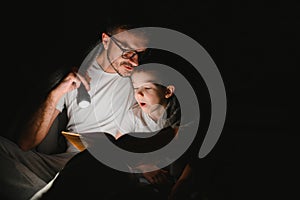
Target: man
(104, 74)
(158, 110)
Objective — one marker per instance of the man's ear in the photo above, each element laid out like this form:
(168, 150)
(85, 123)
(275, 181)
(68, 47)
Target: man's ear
(105, 40)
(169, 91)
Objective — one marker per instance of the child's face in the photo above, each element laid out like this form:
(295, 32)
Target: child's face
(148, 95)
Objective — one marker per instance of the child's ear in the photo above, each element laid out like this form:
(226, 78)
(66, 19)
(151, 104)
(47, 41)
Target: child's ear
(169, 91)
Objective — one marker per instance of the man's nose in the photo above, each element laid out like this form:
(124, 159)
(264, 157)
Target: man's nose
(134, 60)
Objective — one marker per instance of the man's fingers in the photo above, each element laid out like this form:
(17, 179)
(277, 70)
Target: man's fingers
(76, 82)
(163, 171)
(157, 177)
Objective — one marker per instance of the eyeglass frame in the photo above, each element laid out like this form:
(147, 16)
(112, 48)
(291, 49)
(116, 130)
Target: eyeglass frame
(124, 51)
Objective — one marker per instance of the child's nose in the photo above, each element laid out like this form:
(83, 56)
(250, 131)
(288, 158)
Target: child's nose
(140, 93)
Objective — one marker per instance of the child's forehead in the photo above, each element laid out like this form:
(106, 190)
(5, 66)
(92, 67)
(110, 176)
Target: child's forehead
(145, 77)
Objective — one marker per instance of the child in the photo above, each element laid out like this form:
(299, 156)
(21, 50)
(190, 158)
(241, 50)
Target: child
(157, 108)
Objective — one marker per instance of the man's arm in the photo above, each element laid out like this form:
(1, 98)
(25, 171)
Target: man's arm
(38, 127)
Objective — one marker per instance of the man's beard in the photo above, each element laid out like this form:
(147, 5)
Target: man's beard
(117, 70)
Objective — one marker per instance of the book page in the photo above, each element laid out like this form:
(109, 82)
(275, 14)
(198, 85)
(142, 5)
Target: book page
(74, 139)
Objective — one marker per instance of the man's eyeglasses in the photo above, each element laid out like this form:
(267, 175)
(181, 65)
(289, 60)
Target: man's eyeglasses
(128, 54)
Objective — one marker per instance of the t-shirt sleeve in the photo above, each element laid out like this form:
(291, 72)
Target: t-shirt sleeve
(128, 123)
(60, 104)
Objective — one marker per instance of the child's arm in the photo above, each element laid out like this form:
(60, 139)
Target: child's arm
(181, 184)
(119, 134)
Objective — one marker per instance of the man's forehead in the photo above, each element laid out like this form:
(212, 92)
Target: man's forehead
(135, 39)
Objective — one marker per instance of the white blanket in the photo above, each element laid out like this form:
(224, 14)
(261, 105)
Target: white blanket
(39, 193)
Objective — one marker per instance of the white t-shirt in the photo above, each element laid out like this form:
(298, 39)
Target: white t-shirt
(111, 97)
(138, 121)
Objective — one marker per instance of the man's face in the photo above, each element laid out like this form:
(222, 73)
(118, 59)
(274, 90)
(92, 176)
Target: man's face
(124, 50)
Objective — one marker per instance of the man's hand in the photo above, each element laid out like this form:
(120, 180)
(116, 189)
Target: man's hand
(157, 177)
(84, 80)
(154, 174)
(70, 82)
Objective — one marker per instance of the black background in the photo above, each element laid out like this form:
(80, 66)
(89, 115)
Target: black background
(254, 45)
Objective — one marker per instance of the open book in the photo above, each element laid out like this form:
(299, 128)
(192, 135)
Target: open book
(74, 139)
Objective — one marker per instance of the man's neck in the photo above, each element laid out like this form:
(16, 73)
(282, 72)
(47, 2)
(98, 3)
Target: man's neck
(104, 64)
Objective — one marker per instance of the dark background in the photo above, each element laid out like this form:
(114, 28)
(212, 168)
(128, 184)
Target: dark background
(254, 45)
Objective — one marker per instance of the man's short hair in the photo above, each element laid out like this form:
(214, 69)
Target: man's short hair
(124, 23)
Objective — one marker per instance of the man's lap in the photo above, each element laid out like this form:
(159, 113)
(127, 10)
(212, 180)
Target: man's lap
(24, 172)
